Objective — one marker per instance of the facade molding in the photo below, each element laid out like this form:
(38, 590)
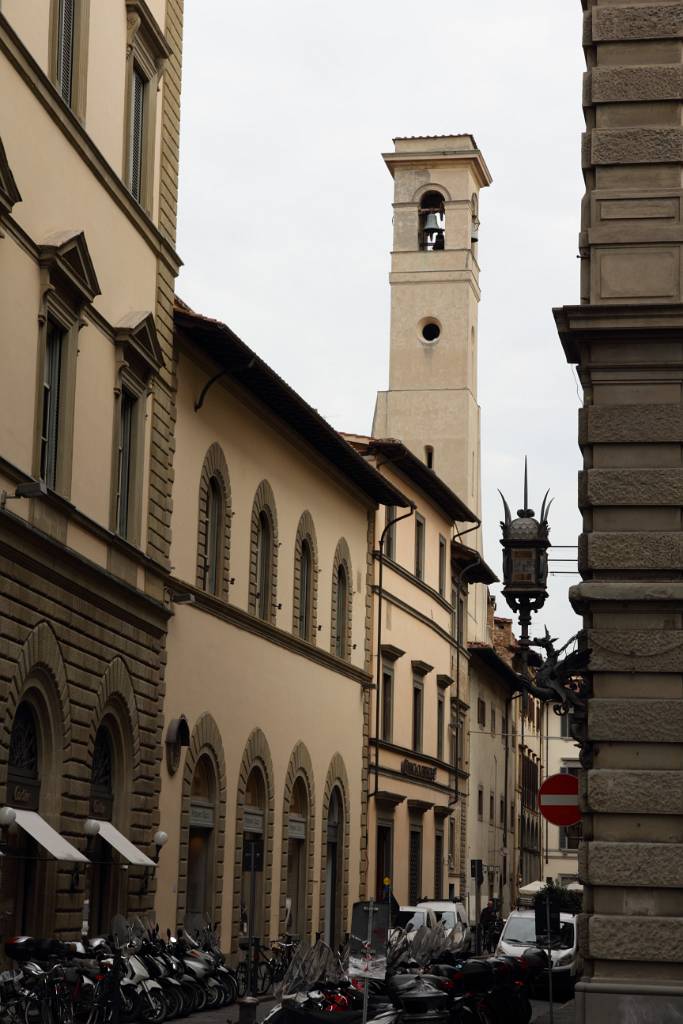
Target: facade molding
(68, 123)
(9, 193)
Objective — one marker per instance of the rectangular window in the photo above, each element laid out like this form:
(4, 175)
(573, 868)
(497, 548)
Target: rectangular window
(504, 726)
(385, 866)
(493, 721)
(417, 715)
(136, 134)
(65, 48)
(419, 547)
(440, 719)
(126, 453)
(480, 803)
(442, 566)
(387, 699)
(460, 637)
(438, 866)
(415, 865)
(492, 818)
(502, 811)
(390, 535)
(451, 843)
(52, 379)
(565, 722)
(481, 712)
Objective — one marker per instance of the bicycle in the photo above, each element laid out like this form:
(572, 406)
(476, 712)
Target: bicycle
(261, 970)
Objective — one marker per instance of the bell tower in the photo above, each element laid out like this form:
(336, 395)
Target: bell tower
(431, 404)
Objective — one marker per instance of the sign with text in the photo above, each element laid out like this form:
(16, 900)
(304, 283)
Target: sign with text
(369, 937)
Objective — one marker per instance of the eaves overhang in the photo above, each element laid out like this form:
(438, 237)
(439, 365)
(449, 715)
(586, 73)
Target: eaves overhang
(468, 560)
(489, 657)
(241, 364)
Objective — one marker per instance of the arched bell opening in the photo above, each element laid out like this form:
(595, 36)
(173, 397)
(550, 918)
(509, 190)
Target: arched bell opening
(432, 222)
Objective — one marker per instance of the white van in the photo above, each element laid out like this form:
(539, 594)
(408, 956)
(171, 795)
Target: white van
(519, 933)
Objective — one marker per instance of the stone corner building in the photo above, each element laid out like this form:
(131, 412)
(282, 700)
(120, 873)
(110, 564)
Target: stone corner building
(625, 337)
(88, 173)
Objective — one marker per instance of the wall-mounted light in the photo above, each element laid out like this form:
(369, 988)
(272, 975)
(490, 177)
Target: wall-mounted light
(7, 817)
(29, 489)
(160, 840)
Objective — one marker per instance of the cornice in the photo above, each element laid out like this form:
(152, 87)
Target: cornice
(251, 624)
(405, 574)
(424, 619)
(67, 122)
(415, 755)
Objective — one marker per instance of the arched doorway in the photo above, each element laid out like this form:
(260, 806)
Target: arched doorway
(201, 843)
(297, 860)
(108, 881)
(254, 825)
(334, 873)
(24, 869)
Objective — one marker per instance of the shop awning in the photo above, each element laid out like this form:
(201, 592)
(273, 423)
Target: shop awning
(123, 846)
(45, 836)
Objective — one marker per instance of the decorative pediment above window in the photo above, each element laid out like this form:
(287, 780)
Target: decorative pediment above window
(136, 335)
(143, 30)
(9, 193)
(66, 259)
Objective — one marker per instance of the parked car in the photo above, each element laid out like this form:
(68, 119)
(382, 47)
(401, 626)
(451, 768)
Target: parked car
(412, 918)
(519, 933)
(453, 915)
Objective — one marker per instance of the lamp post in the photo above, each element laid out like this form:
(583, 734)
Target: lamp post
(525, 563)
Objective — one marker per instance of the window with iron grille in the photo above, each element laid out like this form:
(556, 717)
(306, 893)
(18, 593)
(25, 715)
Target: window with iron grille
(137, 134)
(438, 865)
(66, 17)
(126, 450)
(415, 865)
(49, 432)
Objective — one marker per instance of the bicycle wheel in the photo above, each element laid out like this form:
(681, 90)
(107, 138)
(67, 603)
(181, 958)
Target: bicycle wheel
(264, 978)
(229, 984)
(241, 978)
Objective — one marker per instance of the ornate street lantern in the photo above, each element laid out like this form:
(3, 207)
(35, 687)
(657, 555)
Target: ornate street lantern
(525, 560)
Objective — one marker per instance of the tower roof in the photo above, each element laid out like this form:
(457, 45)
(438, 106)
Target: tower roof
(435, 150)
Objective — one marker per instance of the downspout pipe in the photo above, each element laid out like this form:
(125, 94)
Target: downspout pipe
(378, 660)
(458, 589)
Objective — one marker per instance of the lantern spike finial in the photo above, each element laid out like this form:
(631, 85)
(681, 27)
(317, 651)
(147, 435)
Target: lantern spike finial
(526, 484)
(506, 507)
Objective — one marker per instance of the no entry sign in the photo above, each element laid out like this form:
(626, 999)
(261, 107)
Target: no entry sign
(558, 799)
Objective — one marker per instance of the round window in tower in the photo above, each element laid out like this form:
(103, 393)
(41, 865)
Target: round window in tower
(430, 330)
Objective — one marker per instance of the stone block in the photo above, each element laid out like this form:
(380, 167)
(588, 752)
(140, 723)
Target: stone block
(653, 939)
(636, 145)
(633, 486)
(636, 84)
(633, 650)
(635, 792)
(659, 865)
(637, 424)
(651, 21)
(635, 551)
(629, 721)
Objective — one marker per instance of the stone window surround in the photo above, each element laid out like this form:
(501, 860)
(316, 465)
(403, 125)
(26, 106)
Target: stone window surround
(214, 467)
(264, 501)
(79, 73)
(147, 52)
(128, 381)
(66, 287)
(342, 557)
(336, 778)
(256, 755)
(300, 767)
(305, 532)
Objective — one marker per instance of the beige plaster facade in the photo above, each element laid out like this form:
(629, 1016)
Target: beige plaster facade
(269, 768)
(87, 264)
(625, 338)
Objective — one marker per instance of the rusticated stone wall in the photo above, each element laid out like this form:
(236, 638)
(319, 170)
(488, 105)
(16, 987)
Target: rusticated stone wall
(626, 337)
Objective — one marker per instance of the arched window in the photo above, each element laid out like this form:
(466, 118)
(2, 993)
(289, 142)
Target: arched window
(432, 222)
(252, 896)
(214, 536)
(297, 860)
(107, 888)
(200, 847)
(305, 597)
(341, 601)
(264, 560)
(341, 639)
(305, 590)
(215, 517)
(334, 870)
(22, 878)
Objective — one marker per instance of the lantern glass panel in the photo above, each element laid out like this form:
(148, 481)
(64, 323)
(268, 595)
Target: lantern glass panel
(523, 566)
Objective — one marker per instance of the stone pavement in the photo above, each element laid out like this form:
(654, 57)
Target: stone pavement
(561, 1014)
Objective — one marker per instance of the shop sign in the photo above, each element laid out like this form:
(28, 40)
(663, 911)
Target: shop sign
(253, 820)
(24, 795)
(201, 816)
(296, 829)
(418, 771)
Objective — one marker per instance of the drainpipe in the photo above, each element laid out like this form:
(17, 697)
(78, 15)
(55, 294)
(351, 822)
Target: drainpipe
(380, 599)
(458, 585)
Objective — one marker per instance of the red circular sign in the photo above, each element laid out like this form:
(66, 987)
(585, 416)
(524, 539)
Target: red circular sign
(558, 799)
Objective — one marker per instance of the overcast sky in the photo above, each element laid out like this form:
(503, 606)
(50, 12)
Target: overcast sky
(285, 207)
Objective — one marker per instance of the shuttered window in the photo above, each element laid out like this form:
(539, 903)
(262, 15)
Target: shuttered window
(137, 128)
(415, 865)
(49, 434)
(125, 462)
(65, 49)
